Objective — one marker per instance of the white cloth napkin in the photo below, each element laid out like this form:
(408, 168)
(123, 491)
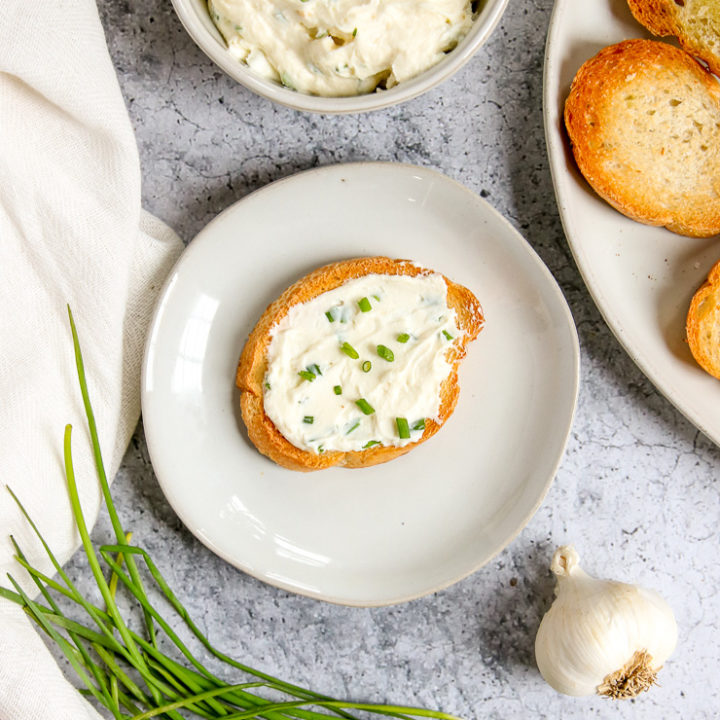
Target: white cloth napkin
(71, 231)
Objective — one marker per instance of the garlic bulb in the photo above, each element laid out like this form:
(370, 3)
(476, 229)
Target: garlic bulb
(600, 636)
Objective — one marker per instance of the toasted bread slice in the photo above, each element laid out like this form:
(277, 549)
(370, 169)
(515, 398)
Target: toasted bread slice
(695, 23)
(643, 118)
(253, 364)
(703, 324)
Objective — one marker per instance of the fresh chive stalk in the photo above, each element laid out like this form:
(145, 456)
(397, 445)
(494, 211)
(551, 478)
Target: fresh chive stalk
(330, 316)
(403, 428)
(120, 534)
(337, 389)
(307, 375)
(120, 560)
(366, 366)
(403, 338)
(364, 305)
(419, 425)
(370, 444)
(309, 419)
(122, 668)
(447, 335)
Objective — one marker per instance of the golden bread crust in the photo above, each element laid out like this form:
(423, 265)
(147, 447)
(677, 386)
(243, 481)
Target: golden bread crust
(658, 16)
(643, 119)
(695, 23)
(703, 324)
(253, 364)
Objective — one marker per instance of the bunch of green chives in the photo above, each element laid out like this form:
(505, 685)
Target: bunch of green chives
(126, 671)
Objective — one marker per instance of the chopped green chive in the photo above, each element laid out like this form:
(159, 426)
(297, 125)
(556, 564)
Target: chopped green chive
(307, 375)
(330, 316)
(267, 385)
(308, 419)
(403, 337)
(370, 444)
(419, 425)
(286, 81)
(385, 353)
(321, 449)
(337, 390)
(354, 427)
(403, 428)
(349, 350)
(447, 335)
(365, 406)
(377, 297)
(366, 366)
(354, 32)
(364, 305)
(314, 369)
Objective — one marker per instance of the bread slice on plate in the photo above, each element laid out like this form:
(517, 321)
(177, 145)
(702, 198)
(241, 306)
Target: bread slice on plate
(643, 118)
(703, 324)
(343, 326)
(695, 23)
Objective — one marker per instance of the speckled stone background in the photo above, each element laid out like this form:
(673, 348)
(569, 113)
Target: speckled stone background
(637, 491)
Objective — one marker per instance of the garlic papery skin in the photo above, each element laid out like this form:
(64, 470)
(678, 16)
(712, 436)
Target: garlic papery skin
(602, 637)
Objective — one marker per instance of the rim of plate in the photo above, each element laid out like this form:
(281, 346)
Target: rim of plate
(552, 284)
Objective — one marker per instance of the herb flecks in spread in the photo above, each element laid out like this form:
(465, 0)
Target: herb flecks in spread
(340, 47)
(352, 400)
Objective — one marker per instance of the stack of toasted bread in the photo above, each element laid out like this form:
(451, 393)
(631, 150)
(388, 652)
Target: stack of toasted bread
(643, 118)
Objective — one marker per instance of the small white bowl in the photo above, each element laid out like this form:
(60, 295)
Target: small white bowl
(195, 17)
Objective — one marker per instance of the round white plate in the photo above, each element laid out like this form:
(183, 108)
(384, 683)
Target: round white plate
(641, 278)
(396, 531)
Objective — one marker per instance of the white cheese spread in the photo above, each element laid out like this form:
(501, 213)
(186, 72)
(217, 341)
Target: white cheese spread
(341, 47)
(361, 365)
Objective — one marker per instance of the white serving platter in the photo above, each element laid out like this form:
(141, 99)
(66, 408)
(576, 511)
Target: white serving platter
(642, 278)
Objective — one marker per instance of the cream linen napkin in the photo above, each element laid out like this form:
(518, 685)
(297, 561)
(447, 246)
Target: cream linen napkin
(71, 231)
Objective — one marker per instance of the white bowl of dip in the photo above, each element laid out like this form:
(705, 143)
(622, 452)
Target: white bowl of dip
(195, 17)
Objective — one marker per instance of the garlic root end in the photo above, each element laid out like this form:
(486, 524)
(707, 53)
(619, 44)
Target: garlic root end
(635, 677)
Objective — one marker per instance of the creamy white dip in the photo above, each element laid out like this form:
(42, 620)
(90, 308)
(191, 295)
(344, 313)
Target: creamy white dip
(341, 47)
(314, 389)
